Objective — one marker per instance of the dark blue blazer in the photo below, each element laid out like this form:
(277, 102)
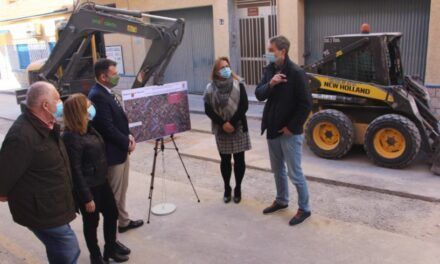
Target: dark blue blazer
(112, 123)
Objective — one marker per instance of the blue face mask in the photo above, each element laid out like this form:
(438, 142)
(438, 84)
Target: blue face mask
(225, 73)
(92, 112)
(270, 57)
(59, 112)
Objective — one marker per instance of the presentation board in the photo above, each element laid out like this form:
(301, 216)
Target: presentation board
(157, 111)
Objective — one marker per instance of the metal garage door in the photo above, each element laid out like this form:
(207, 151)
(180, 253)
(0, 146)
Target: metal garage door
(411, 17)
(194, 57)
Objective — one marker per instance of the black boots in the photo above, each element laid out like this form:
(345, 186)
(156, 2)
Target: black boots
(97, 259)
(115, 256)
(118, 252)
(112, 253)
(237, 195)
(122, 249)
(227, 195)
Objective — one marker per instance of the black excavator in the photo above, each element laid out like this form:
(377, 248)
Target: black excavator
(81, 42)
(361, 96)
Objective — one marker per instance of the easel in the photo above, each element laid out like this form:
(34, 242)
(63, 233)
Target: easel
(162, 148)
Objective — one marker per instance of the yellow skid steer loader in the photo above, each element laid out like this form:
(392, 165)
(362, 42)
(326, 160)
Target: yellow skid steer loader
(361, 96)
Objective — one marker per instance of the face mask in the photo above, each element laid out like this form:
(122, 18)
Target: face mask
(114, 80)
(92, 112)
(270, 57)
(225, 73)
(59, 112)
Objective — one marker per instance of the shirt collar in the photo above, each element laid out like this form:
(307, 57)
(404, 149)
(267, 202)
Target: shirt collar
(42, 127)
(108, 89)
(49, 124)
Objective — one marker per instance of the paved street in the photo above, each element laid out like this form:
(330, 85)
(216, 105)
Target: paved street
(355, 219)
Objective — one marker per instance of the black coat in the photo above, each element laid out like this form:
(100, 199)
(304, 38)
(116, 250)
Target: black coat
(112, 123)
(35, 174)
(240, 114)
(88, 162)
(288, 104)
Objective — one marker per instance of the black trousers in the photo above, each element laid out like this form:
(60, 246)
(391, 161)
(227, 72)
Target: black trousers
(105, 204)
(239, 170)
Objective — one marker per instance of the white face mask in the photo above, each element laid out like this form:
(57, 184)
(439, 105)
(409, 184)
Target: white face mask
(91, 112)
(270, 57)
(59, 111)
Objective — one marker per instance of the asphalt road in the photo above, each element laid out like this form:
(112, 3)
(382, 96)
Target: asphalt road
(348, 225)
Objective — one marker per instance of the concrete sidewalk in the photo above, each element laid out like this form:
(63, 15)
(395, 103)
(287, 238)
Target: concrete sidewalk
(355, 170)
(214, 232)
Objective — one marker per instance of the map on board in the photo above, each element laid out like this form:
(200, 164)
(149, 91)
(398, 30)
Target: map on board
(157, 111)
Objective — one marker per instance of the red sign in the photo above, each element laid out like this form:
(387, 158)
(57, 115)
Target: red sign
(252, 11)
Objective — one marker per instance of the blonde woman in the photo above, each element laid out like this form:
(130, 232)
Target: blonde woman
(226, 104)
(86, 150)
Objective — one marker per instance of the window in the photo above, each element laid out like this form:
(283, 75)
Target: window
(356, 65)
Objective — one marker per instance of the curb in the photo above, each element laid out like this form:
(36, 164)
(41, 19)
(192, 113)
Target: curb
(336, 182)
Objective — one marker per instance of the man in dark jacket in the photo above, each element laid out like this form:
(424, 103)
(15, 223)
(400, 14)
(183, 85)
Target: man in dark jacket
(112, 123)
(35, 179)
(284, 86)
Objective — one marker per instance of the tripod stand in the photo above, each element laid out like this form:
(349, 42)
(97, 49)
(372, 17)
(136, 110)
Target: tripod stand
(162, 148)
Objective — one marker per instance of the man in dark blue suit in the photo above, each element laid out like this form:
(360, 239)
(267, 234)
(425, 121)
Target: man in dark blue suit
(112, 123)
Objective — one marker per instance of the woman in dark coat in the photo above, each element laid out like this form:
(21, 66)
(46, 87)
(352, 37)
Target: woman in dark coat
(226, 104)
(86, 151)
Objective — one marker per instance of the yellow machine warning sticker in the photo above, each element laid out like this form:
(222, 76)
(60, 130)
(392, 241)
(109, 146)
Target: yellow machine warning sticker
(354, 88)
(131, 28)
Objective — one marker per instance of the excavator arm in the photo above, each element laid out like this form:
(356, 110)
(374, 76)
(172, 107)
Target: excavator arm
(90, 21)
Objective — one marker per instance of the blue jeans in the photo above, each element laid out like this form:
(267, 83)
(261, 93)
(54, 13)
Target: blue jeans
(285, 160)
(61, 244)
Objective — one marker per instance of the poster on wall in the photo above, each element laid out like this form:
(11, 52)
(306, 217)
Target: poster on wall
(157, 111)
(115, 53)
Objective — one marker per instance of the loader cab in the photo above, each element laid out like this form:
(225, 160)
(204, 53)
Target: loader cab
(375, 58)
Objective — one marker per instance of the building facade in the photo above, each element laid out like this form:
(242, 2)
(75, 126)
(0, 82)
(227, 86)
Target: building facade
(27, 33)
(238, 29)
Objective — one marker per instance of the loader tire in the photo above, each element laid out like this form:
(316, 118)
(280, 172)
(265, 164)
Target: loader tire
(392, 141)
(330, 134)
